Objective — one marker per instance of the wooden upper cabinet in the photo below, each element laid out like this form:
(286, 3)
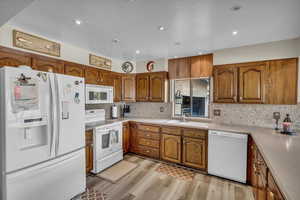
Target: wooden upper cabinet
(91, 75)
(48, 64)
(252, 82)
(105, 77)
(13, 58)
(171, 148)
(194, 152)
(202, 66)
(74, 69)
(117, 84)
(179, 68)
(157, 86)
(282, 81)
(128, 88)
(225, 84)
(142, 87)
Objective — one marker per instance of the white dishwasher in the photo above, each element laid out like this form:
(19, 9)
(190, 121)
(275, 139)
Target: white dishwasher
(227, 155)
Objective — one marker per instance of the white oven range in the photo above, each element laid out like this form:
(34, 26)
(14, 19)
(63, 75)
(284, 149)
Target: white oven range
(107, 146)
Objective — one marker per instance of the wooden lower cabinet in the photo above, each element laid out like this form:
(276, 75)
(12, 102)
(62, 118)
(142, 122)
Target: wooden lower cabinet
(194, 152)
(126, 137)
(260, 177)
(171, 148)
(89, 150)
(133, 147)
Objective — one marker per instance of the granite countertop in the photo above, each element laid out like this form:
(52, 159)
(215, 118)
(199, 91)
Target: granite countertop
(281, 152)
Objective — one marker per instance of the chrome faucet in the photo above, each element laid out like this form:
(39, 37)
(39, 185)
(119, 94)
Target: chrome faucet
(183, 119)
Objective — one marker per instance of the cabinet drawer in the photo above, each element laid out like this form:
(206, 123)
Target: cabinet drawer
(149, 143)
(273, 192)
(148, 128)
(171, 130)
(148, 135)
(148, 151)
(195, 133)
(261, 165)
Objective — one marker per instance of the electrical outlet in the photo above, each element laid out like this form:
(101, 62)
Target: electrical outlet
(217, 112)
(276, 115)
(161, 109)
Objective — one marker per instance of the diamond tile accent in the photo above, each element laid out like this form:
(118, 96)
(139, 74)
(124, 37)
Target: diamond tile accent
(92, 194)
(176, 172)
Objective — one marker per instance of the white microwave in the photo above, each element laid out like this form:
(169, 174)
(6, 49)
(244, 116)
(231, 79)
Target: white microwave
(96, 94)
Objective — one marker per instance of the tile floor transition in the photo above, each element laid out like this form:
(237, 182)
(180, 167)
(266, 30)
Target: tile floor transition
(149, 182)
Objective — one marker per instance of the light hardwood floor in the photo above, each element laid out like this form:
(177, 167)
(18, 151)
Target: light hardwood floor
(145, 183)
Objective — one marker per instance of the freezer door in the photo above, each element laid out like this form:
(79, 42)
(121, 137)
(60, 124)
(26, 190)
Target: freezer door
(59, 179)
(26, 104)
(71, 114)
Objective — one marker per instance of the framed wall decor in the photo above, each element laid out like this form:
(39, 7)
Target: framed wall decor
(100, 62)
(34, 43)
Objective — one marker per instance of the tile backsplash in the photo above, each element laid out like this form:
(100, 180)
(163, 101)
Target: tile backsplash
(150, 110)
(254, 114)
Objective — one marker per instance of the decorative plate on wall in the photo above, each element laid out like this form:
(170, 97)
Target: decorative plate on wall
(150, 66)
(127, 67)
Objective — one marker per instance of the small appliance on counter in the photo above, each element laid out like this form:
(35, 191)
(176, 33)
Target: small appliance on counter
(287, 126)
(125, 109)
(114, 111)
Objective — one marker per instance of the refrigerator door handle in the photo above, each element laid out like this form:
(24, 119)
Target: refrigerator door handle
(57, 95)
(53, 114)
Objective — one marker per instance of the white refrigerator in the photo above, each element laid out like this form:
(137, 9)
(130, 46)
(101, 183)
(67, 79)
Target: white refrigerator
(42, 135)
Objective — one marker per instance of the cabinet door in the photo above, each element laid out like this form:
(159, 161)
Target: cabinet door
(179, 68)
(261, 188)
(13, 58)
(105, 77)
(183, 68)
(225, 84)
(171, 148)
(142, 87)
(282, 81)
(194, 152)
(273, 192)
(202, 66)
(91, 75)
(157, 87)
(89, 150)
(128, 88)
(74, 69)
(117, 84)
(252, 82)
(133, 138)
(126, 138)
(172, 68)
(48, 65)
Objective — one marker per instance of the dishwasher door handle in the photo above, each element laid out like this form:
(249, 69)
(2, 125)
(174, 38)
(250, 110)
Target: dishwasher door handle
(226, 134)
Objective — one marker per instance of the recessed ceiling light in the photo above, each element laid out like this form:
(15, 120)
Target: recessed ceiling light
(200, 53)
(177, 43)
(236, 8)
(115, 41)
(161, 28)
(175, 56)
(234, 32)
(78, 22)
(137, 51)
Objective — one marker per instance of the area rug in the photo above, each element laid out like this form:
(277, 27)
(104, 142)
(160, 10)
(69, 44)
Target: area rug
(176, 172)
(117, 171)
(92, 194)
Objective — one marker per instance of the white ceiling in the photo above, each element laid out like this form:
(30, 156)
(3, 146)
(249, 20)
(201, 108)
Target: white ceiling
(9, 8)
(198, 25)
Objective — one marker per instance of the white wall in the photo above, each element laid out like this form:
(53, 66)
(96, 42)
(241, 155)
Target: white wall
(68, 51)
(159, 65)
(266, 51)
